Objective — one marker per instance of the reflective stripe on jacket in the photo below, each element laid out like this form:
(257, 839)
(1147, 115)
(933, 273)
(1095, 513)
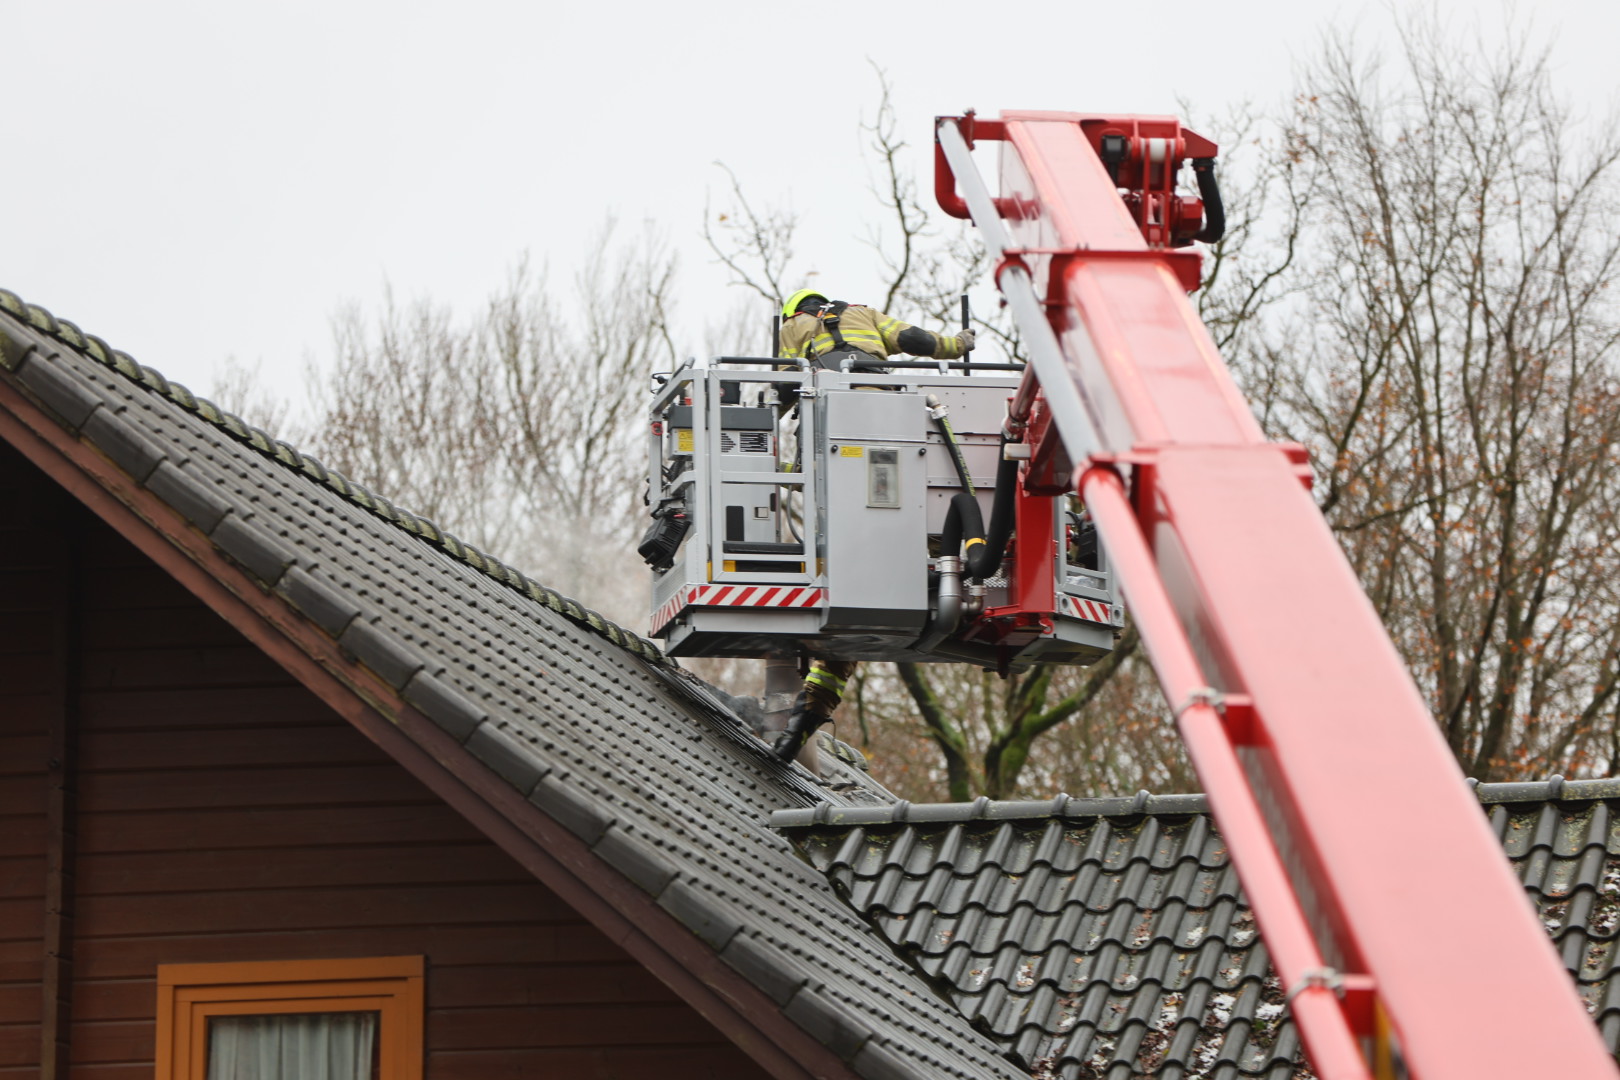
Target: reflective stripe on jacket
(871, 331)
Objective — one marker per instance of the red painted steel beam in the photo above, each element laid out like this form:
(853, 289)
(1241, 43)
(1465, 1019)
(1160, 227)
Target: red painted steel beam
(1330, 1039)
(1389, 860)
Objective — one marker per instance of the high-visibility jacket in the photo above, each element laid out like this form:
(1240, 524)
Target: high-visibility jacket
(807, 336)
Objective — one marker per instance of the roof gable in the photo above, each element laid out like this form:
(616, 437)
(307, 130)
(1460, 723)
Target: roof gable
(626, 788)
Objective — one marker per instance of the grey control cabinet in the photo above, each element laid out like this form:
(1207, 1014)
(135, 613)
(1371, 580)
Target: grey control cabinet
(873, 484)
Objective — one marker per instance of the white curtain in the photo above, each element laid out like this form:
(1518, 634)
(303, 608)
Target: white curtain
(292, 1046)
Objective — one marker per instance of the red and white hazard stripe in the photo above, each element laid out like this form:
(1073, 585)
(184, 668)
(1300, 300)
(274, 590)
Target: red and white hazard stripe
(668, 610)
(754, 596)
(784, 596)
(1090, 610)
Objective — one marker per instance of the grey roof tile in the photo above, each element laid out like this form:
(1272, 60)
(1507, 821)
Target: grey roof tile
(637, 860)
(875, 1062)
(764, 965)
(383, 652)
(127, 448)
(196, 503)
(508, 755)
(328, 608)
(60, 389)
(837, 1029)
(575, 812)
(701, 911)
(260, 553)
(14, 349)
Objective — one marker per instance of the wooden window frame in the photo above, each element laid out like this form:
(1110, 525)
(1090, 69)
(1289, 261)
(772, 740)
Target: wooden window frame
(189, 994)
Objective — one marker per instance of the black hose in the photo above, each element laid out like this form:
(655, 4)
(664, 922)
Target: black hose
(964, 523)
(963, 516)
(1001, 515)
(943, 422)
(1210, 192)
(982, 559)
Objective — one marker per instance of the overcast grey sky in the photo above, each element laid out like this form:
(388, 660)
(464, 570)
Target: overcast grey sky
(195, 180)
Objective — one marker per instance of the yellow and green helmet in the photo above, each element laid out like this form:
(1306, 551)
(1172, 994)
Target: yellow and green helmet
(793, 302)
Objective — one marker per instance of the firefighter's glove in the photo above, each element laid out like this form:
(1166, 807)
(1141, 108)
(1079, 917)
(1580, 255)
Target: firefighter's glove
(802, 723)
(964, 340)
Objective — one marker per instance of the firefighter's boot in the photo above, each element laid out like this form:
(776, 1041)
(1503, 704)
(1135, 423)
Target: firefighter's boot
(802, 723)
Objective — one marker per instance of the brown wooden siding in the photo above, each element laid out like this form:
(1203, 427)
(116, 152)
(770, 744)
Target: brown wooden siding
(225, 814)
(28, 511)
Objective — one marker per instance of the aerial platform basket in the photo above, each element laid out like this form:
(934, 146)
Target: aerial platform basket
(800, 512)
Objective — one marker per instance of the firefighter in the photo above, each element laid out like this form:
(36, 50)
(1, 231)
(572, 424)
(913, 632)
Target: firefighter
(823, 690)
(824, 332)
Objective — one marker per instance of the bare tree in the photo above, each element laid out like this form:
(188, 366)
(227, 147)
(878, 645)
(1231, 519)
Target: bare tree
(1255, 268)
(896, 192)
(929, 264)
(1452, 365)
(573, 388)
(1053, 728)
(516, 427)
(407, 408)
(755, 245)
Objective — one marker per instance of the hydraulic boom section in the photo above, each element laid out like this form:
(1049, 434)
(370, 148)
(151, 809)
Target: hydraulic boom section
(1342, 806)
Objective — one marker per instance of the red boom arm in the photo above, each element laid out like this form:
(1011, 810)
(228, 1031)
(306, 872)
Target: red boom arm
(1346, 815)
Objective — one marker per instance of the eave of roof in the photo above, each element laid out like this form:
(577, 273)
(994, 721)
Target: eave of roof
(1555, 789)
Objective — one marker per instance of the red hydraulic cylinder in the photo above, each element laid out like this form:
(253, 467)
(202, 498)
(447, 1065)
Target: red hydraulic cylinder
(1348, 819)
(1036, 525)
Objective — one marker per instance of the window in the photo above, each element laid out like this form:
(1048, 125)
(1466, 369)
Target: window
(357, 1019)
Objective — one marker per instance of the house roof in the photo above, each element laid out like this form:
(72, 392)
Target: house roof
(616, 777)
(1108, 938)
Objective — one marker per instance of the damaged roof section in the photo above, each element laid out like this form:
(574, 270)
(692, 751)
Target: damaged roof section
(1105, 939)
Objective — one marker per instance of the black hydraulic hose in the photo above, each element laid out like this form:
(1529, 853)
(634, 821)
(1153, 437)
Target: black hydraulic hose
(1210, 192)
(963, 516)
(1001, 517)
(964, 523)
(943, 422)
(964, 520)
(983, 558)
